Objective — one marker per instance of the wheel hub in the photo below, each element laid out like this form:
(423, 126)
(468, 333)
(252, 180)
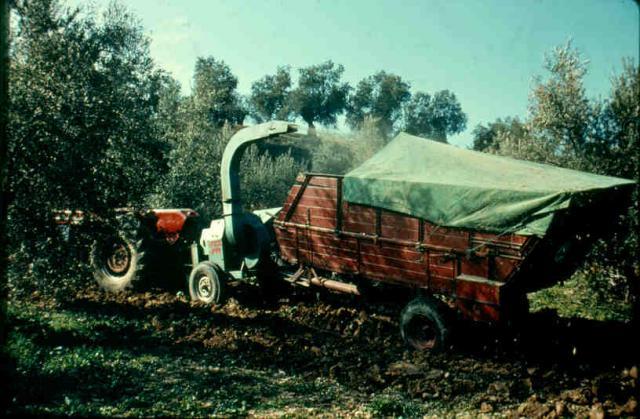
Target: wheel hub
(119, 258)
(205, 287)
(423, 335)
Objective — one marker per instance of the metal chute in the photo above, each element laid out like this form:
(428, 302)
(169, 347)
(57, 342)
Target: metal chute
(244, 231)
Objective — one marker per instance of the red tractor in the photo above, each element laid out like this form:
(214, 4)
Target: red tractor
(141, 242)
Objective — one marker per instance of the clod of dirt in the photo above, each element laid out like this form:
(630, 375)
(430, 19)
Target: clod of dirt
(596, 412)
(498, 388)
(534, 408)
(577, 396)
(486, 407)
(402, 368)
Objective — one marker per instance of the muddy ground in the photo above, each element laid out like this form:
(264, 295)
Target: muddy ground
(155, 353)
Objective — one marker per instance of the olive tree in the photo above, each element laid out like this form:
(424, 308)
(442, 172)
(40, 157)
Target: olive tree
(381, 97)
(214, 93)
(566, 128)
(82, 129)
(320, 95)
(270, 97)
(434, 116)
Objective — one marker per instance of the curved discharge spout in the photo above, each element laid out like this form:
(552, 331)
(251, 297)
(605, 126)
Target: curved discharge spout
(230, 176)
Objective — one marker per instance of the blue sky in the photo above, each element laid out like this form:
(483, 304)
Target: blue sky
(485, 51)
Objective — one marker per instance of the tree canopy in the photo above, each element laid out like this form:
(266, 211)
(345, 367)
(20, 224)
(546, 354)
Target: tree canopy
(486, 138)
(270, 97)
(320, 95)
(560, 113)
(434, 116)
(84, 98)
(83, 131)
(380, 96)
(214, 92)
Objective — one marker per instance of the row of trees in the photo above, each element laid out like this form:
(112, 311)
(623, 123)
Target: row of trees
(320, 96)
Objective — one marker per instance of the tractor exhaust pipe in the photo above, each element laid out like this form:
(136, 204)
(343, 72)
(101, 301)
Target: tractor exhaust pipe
(230, 177)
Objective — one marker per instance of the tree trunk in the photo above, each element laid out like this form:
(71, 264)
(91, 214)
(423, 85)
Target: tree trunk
(630, 272)
(440, 136)
(311, 130)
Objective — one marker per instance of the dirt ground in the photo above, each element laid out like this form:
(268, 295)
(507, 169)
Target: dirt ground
(155, 353)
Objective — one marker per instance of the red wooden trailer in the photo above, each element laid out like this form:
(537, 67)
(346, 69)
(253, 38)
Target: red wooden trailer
(482, 276)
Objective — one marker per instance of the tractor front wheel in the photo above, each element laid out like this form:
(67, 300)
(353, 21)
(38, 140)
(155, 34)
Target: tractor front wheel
(206, 284)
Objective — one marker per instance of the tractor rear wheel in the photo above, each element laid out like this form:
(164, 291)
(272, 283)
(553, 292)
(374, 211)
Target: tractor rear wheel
(424, 325)
(116, 260)
(206, 284)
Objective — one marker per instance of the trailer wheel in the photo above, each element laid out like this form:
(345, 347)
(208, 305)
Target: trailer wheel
(116, 260)
(206, 284)
(423, 325)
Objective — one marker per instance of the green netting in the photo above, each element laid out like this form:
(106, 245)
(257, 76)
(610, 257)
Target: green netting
(455, 187)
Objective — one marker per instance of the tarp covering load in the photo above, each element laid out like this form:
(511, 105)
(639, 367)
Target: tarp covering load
(454, 187)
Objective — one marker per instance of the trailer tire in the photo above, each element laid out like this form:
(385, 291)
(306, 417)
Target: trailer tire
(116, 258)
(424, 324)
(206, 284)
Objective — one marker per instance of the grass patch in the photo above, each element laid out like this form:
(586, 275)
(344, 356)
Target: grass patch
(394, 405)
(576, 297)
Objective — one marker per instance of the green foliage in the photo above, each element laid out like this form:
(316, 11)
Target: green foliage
(596, 293)
(266, 180)
(380, 96)
(560, 113)
(270, 97)
(193, 178)
(333, 155)
(170, 114)
(435, 116)
(82, 124)
(566, 128)
(320, 95)
(486, 138)
(214, 93)
(394, 406)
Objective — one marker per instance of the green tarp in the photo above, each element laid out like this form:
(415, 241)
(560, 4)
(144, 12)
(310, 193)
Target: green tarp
(454, 187)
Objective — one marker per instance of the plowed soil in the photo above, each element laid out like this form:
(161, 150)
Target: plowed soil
(156, 353)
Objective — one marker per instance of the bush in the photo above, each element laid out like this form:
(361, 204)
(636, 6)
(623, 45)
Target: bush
(266, 180)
